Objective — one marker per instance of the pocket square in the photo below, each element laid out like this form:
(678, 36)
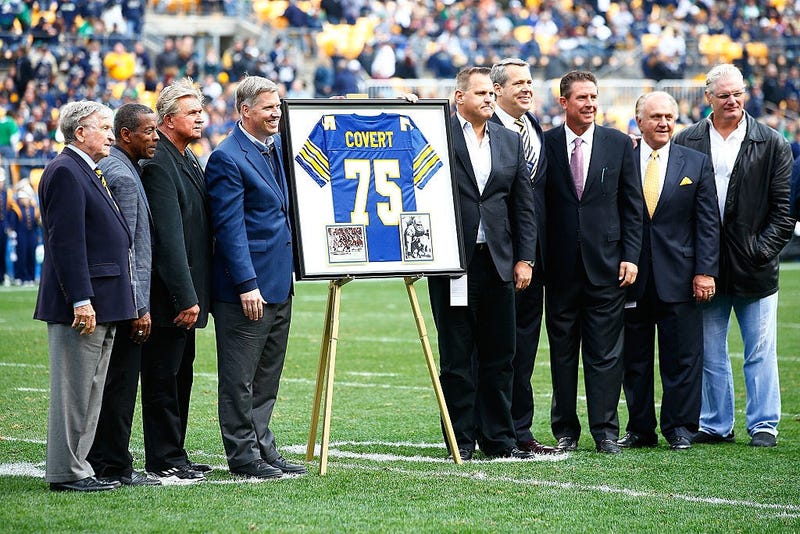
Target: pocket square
(686, 181)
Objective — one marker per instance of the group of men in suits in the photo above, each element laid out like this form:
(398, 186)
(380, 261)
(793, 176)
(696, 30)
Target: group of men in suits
(624, 238)
(127, 279)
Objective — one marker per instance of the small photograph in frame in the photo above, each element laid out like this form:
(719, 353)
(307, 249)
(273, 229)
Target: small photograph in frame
(416, 237)
(346, 243)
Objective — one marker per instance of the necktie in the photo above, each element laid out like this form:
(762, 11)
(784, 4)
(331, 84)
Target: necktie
(576, 166)
(269, 155)
(102, 178)
(530, 157)
(651, 183)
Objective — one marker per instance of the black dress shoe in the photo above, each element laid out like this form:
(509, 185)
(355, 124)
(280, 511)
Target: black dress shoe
(286, 467)
(514, 453)
(257, 469)
(567, 443)
(608, 446)
(632, 440)
(679, 443)
(711, 439)
(134, 479)
(537, 448)
(200, 468)
(465, 454)
(86, 484)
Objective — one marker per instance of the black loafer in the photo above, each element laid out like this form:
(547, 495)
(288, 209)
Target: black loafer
(632, 440)
(567, 444)
(513, 453)
(286, 467)
(257, 469)
(85, 484)
(608, 446)
(465, 454)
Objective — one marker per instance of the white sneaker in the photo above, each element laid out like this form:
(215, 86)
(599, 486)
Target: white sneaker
(178, 476)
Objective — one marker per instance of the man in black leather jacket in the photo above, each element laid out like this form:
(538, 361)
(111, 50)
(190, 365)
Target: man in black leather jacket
(752, 167)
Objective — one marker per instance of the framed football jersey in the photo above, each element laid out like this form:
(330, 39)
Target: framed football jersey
(371, 187)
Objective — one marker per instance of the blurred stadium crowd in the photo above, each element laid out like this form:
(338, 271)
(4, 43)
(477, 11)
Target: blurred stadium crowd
(55, 52)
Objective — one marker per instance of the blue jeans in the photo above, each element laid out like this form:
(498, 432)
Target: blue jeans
(758, 322)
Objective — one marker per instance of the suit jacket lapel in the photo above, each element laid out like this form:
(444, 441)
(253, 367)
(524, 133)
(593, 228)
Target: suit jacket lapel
(561, 161)
(120, 155)
(597, 159)
(461, 151)
(98, 187)
(672, 179)
(258, 160)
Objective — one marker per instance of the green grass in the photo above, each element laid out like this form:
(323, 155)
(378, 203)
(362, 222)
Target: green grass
(387, 470)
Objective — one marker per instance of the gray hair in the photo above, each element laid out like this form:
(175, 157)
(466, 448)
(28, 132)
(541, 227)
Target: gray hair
(250, 87)
(642, 100)
(71, 115)
(723, 70)
(168, 100)
(499, 72)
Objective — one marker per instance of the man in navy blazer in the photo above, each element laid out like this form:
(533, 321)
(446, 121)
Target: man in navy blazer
(136, 132)
(513, 87)
(252, 279)
(593, 238)
(499, 231)
(85, 289)
(677, 266)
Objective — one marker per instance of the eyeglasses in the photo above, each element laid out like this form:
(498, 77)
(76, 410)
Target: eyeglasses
(726, 96)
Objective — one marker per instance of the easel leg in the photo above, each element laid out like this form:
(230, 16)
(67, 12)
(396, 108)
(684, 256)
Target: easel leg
(437, 387)
(325, 374)
(323, 363)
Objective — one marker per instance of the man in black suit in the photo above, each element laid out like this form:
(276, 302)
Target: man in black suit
(85, 289)
(180, 285)
(593, 237)
(513, 88)
(499, 232)
(136, 133)
(677, 266)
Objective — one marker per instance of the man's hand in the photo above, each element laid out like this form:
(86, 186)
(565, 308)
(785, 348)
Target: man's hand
(253, 304)
(703, 287)
(627, 273)
(186, 318)
(84, 321)
(522, 275)
(140, 328)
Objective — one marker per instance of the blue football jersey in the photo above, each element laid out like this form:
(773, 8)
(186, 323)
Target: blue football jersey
(373, 164)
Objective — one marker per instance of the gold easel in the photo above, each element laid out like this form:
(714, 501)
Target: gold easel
(327, 365)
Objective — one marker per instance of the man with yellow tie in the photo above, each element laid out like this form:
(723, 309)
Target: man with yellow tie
(677, 266)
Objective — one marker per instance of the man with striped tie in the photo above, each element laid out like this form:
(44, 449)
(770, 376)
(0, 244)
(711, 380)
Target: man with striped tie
(513, 87)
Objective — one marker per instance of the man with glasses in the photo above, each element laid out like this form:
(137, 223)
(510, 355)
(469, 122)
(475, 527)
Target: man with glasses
(752, 168)
(85, 290)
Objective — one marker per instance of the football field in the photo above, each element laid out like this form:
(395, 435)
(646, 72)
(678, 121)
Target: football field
(387, 468)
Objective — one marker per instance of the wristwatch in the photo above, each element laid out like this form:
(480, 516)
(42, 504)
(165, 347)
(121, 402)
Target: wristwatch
(529, 262)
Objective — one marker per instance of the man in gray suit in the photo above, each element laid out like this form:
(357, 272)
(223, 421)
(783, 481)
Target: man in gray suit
(135, 128)
(252, 279)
